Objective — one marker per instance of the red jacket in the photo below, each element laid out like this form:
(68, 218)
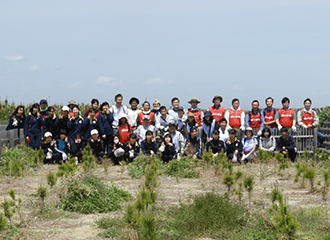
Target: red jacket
(235, 118)
(197, 115)
(151, 115)
(307, 118)
(217, 113)
(124, 133)
(286, 117)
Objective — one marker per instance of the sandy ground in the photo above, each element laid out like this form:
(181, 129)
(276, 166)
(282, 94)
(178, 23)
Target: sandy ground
(172, 191)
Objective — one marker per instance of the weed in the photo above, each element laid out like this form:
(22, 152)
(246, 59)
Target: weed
(310, 174)
(42, 194)
(228, 180)
(184, 168)
(91, 195)
(51, 179)
(137, 167)
(88, 159)
(249, 184)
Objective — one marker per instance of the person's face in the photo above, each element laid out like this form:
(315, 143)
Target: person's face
(35, 110)
(75, 112)
(180, 114)
(217, 102)
(232, 136)
(255, 106)
(269, 103)
(146, 107)
(51, 112)
(123, 120)
(20, 111)
(48, 139)
(65, 114)
(145, 122)
(266, 134)
(172, 129)
(190, 119)
(167, 139)
(95, 105)
(156, 105)
(307, 105)
(223, 125)
(105, 108)
(163, 112)
(62, 136)
(236, 105)
(95, 136)
(207, 118)
(248, 134)
(119, 100)
(91, 114)
(43, 105)
(149, 137)
(176, 104)
(134, 104)
(193, 134)
(284, 134)
(194, 104)
(132, 140)
(286, 104)
(215, 136)
(77, 140)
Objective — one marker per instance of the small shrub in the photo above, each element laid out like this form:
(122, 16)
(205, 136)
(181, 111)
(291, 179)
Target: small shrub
(184, 168)
(137, 167)
(51, 179)
(310, 174)
(249, 184)
(91, 195)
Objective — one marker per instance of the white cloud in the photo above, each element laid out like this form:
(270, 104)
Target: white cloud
(13, 58)
(34, 68)
(108, 81)
(155, 80)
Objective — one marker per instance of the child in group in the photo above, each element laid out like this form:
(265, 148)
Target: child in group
(132, 148)
(267, 142)
(234, 147)
(75, 124)
(63, 119)
(105, 120)
(116, 150)
(193, 146)
(148, 145)
(286, 145)
(215, 144)
(33, 127)
(51, 155)
(142, 129)
(96, 144)
(125, 129)
(17, 119)
(250, 145)
(167, 148)
(189, 124)
(62, 145)
(89, 124)
(77, 147)
(50, 122)
(95, 106)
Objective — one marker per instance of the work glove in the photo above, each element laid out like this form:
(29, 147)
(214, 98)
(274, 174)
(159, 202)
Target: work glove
(294, 128)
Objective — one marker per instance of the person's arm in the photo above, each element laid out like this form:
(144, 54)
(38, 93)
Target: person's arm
(172, 150)
(243, 120)
(26, 126)
(277, 120)
(240, 147)
(207, 146)
(254, 147)
(292, 143)
(181, 142)
(262, 119)
(100, 120)
(199, 146)
(261, 145)
(299, 118)
(247, 119)
(316, 119)
(226, 116)
(273, 147)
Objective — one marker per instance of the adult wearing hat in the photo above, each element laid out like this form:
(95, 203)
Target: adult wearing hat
(133, 112)
(250, 145)
(216, 110)
(286, 145)
(198, 113)
(189, 123)
(209, 125)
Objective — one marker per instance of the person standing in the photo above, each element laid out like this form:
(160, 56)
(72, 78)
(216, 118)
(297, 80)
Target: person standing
(286, 116)
(117, 110)
(216, 110)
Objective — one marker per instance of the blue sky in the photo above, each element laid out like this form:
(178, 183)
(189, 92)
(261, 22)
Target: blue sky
(63, 50)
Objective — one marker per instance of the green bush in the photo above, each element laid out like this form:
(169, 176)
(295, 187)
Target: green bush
(91, 195)
(137, 167)
(184, 168)
(16, 161)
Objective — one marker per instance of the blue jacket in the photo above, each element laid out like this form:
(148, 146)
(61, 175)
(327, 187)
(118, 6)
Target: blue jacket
(147, 147)
(75, 126)
(87, 127)
(32, 125)
(50, 125)
(105, 123)
(20, 122)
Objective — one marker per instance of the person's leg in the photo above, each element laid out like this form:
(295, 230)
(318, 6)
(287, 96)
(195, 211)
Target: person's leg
(321, 138)
(292, 155)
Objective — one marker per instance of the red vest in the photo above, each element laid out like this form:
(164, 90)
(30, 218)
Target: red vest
(217, 113)
(255, 120)
(270, 116)
(151, 115)
(308, 118)
(286, 117)
(235, 118)
(124, 133)
(197, 115)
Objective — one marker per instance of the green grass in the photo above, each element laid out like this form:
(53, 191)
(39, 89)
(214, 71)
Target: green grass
(184, 168)
(91, 195)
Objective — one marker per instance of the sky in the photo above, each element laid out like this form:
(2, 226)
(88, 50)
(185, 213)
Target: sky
(63, 50)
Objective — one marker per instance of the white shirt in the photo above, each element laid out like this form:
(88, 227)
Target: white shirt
(141, 132)
(116, 113)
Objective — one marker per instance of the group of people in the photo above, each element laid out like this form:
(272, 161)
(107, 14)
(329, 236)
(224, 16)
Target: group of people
(122, 132)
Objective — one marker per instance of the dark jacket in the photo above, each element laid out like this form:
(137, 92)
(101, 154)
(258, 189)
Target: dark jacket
(96, 146)
(136, 148)
(288, 143)
(87, 126)
(231, 147)
(105, 123)
(169, 150)
(195, 146)
(75, 149)
(147, 147)
(75, 126)
(62, 123)
(20, 122)
(32, 125)
(50, 125)
(217, 146)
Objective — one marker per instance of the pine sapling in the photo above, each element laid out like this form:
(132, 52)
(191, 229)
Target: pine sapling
(249, 184)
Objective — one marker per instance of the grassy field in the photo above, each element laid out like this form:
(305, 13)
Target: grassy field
(186, 199)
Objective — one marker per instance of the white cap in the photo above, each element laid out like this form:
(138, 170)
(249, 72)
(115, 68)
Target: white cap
(146, 117)
(65, 108)
(94, 131)
(48, 134)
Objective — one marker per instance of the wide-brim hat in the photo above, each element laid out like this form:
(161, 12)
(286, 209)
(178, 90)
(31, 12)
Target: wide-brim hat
(194, 99)
(191, 114)
(215, 97)
(72, 102)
